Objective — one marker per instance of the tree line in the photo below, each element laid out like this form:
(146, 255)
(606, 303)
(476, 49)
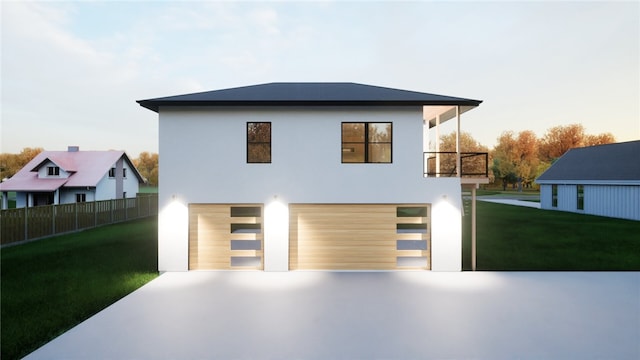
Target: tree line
(519, 158)
(146, 163)
(516, 159)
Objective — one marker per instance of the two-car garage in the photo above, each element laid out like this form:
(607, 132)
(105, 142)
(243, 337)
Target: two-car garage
(321, 236)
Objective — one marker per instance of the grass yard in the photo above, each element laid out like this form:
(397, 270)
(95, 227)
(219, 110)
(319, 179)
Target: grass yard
(48, 286)
(519, 238)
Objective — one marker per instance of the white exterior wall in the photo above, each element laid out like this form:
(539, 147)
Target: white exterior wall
(130, 182)
(203, 160)
(567, 198)
(68, 196)
(545, 196)
(106, 188)
(618, 201)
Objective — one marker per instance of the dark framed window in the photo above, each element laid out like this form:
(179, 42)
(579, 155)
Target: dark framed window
(81, 197)
(367, 142)
(580, 197)
(53, 171)
(258, 142)
(124, 173)
(112, 172)
(554, 195)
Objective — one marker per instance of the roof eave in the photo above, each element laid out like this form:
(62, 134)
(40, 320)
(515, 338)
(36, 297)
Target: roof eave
(155, 105)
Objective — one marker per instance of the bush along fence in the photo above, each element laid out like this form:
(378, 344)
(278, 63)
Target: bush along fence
(44, 221)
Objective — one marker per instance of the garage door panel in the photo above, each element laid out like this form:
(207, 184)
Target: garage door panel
(358, 236)
(214, 230)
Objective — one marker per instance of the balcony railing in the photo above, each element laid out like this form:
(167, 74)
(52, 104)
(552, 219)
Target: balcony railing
(472, 164)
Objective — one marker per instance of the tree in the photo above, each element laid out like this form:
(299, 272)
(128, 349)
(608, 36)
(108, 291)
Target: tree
(12, 163)
(600, 139)
(560, 139)
(526, 148)
(147, 165)
(470, 165)
(505, 159)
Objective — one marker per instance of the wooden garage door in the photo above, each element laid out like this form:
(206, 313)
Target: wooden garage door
(225, 237)
(359, 237)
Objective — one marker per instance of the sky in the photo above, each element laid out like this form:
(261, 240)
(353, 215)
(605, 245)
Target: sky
(71, 72)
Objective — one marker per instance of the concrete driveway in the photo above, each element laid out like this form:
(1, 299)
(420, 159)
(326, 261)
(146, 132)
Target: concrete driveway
(366, 315)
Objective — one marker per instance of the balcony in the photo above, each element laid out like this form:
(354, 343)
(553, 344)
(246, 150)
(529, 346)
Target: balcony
(474, 166)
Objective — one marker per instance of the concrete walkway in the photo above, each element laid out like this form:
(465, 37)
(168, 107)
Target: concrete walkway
(515, 202)
(366, 315)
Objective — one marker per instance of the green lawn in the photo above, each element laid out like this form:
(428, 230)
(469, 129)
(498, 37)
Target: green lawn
(143, 189)
(48, 286)
(519, 238)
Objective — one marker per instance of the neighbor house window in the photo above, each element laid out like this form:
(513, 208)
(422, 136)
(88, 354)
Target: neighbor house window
(53, 170)
(112, 172)
(124, 173)
(366, 142)
(259, 142)
(554, 195)
(81, 197)
(580, 192)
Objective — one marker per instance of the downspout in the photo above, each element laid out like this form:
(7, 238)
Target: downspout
(438, 145)
(458, 161)
(5, 200)
(473, 228)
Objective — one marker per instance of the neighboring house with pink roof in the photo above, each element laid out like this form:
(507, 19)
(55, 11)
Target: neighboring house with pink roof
(62, 177)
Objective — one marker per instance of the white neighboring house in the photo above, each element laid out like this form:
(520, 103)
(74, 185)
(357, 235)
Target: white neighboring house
(62, 177)
(599, 180)
(293, 176)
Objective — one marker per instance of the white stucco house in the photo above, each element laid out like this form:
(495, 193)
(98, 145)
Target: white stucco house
(599, 180)
(62, 177)
(293, 176)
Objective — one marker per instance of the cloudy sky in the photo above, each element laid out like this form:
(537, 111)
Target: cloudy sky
(71, 71)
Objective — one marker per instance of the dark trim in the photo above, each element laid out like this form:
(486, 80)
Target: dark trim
(154, 105)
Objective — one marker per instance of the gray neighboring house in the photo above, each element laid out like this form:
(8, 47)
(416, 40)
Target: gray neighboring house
(599, 180)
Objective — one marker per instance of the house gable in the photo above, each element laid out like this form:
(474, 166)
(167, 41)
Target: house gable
(49, 169)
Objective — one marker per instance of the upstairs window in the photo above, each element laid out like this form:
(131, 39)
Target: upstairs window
(112, 172)
(366, 142)
(258, 142)
(124, 173)
(53, 171)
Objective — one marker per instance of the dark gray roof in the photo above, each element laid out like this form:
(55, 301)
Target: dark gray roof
(617, 162)
(303, 94)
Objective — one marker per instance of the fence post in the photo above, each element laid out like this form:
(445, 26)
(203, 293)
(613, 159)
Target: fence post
(26, 221)
(111, 211)
(76, 210)
(53, 219)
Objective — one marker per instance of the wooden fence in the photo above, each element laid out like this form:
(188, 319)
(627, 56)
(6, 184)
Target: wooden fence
(44, 221)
